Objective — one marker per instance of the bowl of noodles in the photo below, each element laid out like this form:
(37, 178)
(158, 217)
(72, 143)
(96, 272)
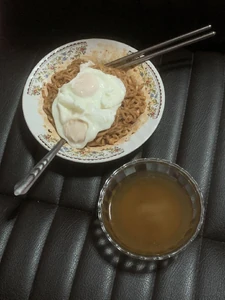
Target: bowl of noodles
(136, 118)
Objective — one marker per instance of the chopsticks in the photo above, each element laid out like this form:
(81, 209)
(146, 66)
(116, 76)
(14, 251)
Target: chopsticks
(140, 56)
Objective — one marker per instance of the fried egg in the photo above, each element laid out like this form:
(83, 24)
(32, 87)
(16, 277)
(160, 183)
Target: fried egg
(87, 105)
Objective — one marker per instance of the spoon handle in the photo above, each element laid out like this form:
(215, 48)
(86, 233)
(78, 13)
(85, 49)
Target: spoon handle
(26, 183)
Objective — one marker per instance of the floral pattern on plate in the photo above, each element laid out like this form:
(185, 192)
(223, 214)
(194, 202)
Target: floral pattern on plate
(153, 105)
(59, 59)
(86, 153)
(53, 63)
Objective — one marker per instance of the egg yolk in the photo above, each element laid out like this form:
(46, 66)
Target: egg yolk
(75, 130)
(85, 85)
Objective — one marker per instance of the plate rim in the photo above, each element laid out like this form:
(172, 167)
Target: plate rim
(104, 159)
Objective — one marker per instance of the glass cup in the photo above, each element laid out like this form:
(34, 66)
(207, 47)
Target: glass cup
(183, 178)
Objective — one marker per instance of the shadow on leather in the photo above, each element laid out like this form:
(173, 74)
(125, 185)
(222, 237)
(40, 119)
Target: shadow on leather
(69, 169)
(119, 260)
(14, 212)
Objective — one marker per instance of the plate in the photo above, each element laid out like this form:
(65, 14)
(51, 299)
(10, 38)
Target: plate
(104, 51)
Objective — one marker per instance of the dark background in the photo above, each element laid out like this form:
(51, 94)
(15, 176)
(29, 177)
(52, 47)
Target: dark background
(47, 246)
(139, 23)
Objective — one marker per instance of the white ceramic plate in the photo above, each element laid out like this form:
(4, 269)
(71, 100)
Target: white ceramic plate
(104, 51)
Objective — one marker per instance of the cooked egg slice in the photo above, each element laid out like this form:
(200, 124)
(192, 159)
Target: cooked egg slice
(87, 105)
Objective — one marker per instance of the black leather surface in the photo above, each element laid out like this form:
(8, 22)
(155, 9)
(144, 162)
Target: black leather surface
(51, 247)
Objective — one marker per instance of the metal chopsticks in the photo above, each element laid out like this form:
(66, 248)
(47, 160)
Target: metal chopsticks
(140, 56)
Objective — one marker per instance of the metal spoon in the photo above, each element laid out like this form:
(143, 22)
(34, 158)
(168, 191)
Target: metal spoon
(25, 184)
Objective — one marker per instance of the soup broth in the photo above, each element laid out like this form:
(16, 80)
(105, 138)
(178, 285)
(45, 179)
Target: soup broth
(150, 213)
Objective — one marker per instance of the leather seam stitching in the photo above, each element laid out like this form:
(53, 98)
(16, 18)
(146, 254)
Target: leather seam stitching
(29, 198)
(113, 283)
(185, 107)
(209, 182)
(178, 143)
(10, 236)
(35, 275)
(155, 277)
(44, 245)
(78, 264)
(214, 241)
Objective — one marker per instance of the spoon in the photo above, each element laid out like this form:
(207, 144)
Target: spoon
(136, 58)
(26, 183)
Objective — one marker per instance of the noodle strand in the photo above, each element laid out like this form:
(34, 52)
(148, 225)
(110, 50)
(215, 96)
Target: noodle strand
(132, 107)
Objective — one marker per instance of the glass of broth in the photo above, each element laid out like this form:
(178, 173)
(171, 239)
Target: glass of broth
(150, 209)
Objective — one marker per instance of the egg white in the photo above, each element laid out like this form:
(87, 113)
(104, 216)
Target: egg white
(97, 110)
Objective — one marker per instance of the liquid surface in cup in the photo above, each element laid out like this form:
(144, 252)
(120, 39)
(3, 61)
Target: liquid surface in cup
(150, 213)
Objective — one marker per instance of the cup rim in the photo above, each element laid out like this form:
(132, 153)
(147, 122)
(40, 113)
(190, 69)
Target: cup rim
(151, 257)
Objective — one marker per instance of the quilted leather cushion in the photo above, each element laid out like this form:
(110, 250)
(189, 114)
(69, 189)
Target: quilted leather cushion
(51, 246)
